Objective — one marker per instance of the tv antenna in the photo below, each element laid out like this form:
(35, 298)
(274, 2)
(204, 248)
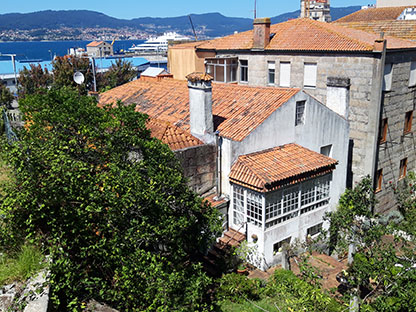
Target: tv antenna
(79, 78)
(255, 9)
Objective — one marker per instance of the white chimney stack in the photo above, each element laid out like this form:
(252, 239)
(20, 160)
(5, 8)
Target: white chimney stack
(200, 106)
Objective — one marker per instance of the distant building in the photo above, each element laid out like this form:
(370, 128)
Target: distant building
(318, 10)
(99, 49)
(394, 3)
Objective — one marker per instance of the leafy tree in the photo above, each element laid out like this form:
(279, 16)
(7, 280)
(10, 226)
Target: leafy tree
(64, 69)
(111, 205)
(119, 73)
(382, 273)
(34, 79)
(6, 97)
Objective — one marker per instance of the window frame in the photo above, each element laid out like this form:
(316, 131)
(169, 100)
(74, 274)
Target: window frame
(279, 244)
(384, 130)
(412, 76)
(271, 73)
(282, 72)
(307, 69)
(225, 66)
(300, 113)
(316, 229)
(243, 70)
(403, 168)
(388, 77)
(408, 120)
(325, 147)
(379, 180)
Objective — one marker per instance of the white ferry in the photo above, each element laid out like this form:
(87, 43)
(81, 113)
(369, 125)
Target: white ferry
(159, 44)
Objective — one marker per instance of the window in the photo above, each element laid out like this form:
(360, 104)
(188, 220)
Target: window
(254, 208)
(379, 180)
(408, 122)
(388, 75)
(238, 205)
(313, 230)
(277, 246)
(222, 69)
(300, 113)
(403, 168)
(327, 150)
(412, 78)
(284, 79)
(309, 77)
(384, 127)
(243, 70)
(271, 70)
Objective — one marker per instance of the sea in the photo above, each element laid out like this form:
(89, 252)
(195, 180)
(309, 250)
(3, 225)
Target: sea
(46, 50)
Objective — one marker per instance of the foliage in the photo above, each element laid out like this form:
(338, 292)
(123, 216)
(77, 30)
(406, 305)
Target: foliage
(33, 80)
(405, 192)
(20, 266)
(111, 204)
(119, 73)
(6, 97)
(382, 273)
(64, 69)
(283, 292)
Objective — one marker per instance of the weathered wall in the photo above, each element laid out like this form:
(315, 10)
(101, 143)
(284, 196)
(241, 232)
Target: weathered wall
(183, 61)
(199, 165)
(397, 146)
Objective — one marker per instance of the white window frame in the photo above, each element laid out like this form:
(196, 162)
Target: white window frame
(387, 77)
(284, 74)
(300, 113)
(310, 75)
(243, 70)
(271, 73)
(412, 76)
(324, 150)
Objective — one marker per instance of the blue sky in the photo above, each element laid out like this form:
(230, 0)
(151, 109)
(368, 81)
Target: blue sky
(161, 8)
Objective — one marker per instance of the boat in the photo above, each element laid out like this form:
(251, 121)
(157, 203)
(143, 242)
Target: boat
(159, 44)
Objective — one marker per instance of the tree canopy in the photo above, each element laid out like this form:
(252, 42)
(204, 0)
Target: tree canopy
(111, 205)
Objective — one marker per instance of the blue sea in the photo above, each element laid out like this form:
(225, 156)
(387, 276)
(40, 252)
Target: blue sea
(46, 50)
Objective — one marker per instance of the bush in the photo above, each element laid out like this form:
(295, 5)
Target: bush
(237, 288)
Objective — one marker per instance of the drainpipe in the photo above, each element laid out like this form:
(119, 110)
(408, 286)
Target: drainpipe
(218, 141)
(379, 46)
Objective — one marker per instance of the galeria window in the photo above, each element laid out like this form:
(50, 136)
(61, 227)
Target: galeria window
(222, 69)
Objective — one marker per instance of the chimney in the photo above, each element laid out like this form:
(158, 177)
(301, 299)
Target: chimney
(200, 106)
(338, 95)
(261, 35)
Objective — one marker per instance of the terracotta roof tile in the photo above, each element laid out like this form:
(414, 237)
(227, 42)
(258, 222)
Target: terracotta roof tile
(173, 136)
(405, 29)
(270, 169)
(215, 201)
(95, 43)
(305, 34)
(237, 110)
(374, 14)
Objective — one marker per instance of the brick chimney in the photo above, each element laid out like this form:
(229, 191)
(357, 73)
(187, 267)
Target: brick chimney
(200, 106)
(261, 33)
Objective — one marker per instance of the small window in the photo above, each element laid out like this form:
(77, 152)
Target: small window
(383, 130)
(412, 78)
(309, 77)
(300, 113)
(388, 75)
(379, 180)
(243, 70)
(314, 230)
(271, 71)
(403, 168)
(277, 246)
(284, 75)
(327, 150)
(408, 122)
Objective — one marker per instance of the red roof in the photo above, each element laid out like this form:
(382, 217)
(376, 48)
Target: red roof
(95, 43)
(304, 34)
(374, 14)
(237, 109)
(270, 169)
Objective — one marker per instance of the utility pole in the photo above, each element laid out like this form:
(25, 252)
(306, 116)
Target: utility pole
(255, 9)
(93, 73)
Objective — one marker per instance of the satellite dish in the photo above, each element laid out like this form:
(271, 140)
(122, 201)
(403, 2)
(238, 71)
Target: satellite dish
(79, 77)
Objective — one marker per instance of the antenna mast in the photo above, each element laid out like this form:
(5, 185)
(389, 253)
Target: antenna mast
(255, 9)
(193, 28)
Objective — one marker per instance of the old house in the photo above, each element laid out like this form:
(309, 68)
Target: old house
(277, 155)
(368, 78)
(99, 49)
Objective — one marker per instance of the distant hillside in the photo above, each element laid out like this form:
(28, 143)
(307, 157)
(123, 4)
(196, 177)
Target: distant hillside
(209, 24)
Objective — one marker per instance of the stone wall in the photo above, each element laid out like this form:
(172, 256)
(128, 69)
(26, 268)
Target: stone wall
(199, 166)
(397, 146)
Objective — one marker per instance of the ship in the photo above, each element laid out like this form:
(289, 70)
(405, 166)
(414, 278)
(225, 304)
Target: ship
(159, 44)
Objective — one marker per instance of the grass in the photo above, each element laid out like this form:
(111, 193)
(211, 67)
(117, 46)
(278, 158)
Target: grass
(20, 267)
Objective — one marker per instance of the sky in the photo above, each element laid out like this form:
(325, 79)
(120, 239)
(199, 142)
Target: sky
(128, 9)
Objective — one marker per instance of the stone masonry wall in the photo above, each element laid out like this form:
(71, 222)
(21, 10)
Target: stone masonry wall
(397, 146)
(199, 165)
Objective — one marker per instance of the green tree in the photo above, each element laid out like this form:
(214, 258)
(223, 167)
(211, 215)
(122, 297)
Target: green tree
(6, 97)
(34, 79)
(119, 73)
(64, 69)
(110, 203)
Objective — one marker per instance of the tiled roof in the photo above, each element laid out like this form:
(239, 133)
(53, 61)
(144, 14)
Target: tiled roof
(95, 43)
(305, 34)
(405, 29)
(373, 14)
(173, 136)
(237, 110)
(270, 169)
(216, 201)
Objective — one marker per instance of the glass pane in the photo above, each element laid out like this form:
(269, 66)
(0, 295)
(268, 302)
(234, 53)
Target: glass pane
(219, 74)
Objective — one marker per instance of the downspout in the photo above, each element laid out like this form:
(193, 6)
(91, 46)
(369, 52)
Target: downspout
(218, 173)
(380, 46)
